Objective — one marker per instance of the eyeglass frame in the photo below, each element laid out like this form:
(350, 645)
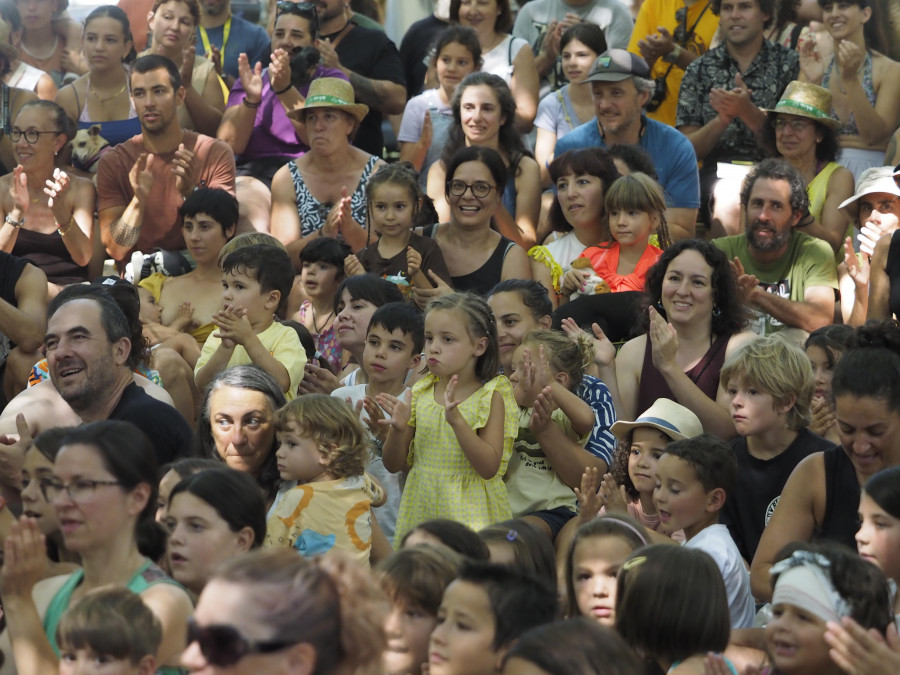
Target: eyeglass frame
(795, 125)
(468, 186)
(16, 133)
(88, 486)
(305, 9)
(235, 640)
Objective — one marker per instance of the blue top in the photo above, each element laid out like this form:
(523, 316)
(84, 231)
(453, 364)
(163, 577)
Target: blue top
(672, 154)
(243, 37)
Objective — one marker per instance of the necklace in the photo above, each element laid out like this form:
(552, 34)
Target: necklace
(41, 57)
(316, 328)
(108, 98)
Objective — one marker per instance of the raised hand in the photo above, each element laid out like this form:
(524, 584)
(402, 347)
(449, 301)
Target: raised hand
(422, 296)
(399, 409)
(18, 189)
(338, 215)
(141, 177)
(542, 412)
(12, 453)
(811, 63)
(25, 560)
(187, 66)
(280, 70)
(663, 341)
(183, 168)
(451, 403)
(413, 262)
(590, 501)
(858, 651)
(318, 380)
(604, 349)
(857, 266)
(215, 55)
(613, 494)
(352, 266)
(56, 188)
(251, 78)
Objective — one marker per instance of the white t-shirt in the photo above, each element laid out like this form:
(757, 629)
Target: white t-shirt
(717, 542)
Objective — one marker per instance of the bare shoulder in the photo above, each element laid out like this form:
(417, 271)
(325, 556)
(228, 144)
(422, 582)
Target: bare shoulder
(40, 404)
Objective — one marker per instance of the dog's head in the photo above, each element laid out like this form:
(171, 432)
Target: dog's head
(87, 146)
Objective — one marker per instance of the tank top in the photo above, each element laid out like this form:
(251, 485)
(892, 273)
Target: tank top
(868, 85)
(705, 374)
(892, 269)
(113, 131)
(49, 252)
(313, 213)
(482, 280)
(841, 499)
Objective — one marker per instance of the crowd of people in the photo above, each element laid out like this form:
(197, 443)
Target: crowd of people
(554, 338)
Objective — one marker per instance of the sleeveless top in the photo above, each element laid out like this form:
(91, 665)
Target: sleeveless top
(818, 191)
(113, 131)
(868, 85)
(148, 575)
(313, 213)
(49, 252)
(509, 192)
(892, 269)
(482, 280)
(705, 374)
(841, 499)
(326, 342)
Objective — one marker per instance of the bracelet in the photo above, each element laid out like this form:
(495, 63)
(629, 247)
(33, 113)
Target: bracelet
(280, 92)
(62, 232)
(15, 223)
(673, 55)
(252, 106)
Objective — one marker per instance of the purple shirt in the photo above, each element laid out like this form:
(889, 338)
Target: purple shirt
(273, 133)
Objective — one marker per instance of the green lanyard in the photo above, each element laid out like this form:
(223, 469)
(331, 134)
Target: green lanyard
(207, 48)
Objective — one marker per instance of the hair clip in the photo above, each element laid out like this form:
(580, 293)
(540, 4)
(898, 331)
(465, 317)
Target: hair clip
(801, 558)
(634, 562)
(511, 535)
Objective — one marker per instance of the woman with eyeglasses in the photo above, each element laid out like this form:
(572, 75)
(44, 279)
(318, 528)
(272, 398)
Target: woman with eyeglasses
(864, 83)
(255, 123)
(477, 257)
(48, 214)
(101, 97)
(173, 23)
(805, 134)
(483, 115)
(323, 193)
(103, 489)
(273, 611)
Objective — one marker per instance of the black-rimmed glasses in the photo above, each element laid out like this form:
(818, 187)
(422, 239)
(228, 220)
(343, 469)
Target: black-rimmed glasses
(479, 188)
(223, 646)
(79, 490)
(32, 136)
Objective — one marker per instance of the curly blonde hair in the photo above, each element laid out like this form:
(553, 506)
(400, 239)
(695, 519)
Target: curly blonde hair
(335, 428)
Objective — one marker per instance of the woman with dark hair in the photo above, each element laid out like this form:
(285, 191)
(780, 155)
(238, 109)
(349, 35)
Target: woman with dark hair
(692, 318)
(237, 424)
(821, 498)
(864, 83)
(255, 123)
(102, 97)
(806, 136)
(273, 611)
(49, 215)
(483, 113)
(502, 54)
(103, 488)
(572, 104)
(450, 533)
(213, 516)
(477, 257)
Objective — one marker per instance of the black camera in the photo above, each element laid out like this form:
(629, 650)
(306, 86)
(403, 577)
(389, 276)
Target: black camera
(659, 94)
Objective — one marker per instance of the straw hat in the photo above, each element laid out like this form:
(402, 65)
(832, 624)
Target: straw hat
(807, 100)
(7, 50)
(331, 92)
(666, 416)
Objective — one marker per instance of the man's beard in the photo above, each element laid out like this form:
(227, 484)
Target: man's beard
(777, 240)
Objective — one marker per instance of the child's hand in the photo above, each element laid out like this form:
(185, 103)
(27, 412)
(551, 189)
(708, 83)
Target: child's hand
(413, 260)
(590, 501)
(185, 316)
(860, 652)
(821, 416)
(375, 418)
(541, 414)
(317, 380)
(399, 409)
(613, 494)
(451, 413)
(352, 266)
(604, 349)
(574, 280)
(234, 326)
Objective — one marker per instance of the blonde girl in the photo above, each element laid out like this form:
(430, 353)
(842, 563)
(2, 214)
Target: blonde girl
(554, 423)
(454, 432)
(593, 561)
(635, 209)
(394, 202)
(428, 117)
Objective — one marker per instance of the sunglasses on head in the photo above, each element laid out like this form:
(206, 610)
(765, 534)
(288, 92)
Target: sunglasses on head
(304, 9)
(224, 646)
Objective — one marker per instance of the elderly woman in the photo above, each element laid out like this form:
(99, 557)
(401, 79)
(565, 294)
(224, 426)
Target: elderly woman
(483, 114)
(692, 317)
(323, 193)
(255, 123)
(477, 257)
(273, 611)
(48, 215)
(806, 136)
(237, 424)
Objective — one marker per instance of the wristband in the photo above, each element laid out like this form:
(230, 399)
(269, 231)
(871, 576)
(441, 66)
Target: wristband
(252, 106)
(281, 91)
(673, 55)
(15, 223)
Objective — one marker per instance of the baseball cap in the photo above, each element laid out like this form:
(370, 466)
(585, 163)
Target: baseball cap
(616, 65)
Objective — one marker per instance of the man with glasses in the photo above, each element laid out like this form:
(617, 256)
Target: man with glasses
(787, 278)
(372, 64)
(142, 182)
(669, 35)
(222, 36)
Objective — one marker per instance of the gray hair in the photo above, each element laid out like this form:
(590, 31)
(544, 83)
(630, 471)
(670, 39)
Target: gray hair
(644, 85)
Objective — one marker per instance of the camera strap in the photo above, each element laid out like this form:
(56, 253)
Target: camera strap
(687, 38)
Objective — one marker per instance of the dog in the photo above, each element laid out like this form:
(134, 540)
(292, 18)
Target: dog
(87, 147)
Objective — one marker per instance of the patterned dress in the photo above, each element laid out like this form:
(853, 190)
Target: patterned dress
(441, 482)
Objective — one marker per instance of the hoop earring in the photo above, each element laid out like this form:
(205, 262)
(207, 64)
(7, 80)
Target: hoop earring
(716, 312)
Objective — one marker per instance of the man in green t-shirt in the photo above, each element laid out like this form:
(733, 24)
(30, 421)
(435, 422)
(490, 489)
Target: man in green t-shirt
(788, 278)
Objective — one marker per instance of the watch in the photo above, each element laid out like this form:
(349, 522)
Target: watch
(15, 223)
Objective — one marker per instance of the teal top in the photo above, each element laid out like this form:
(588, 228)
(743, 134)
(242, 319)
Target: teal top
(148, 575)
(728, 663)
